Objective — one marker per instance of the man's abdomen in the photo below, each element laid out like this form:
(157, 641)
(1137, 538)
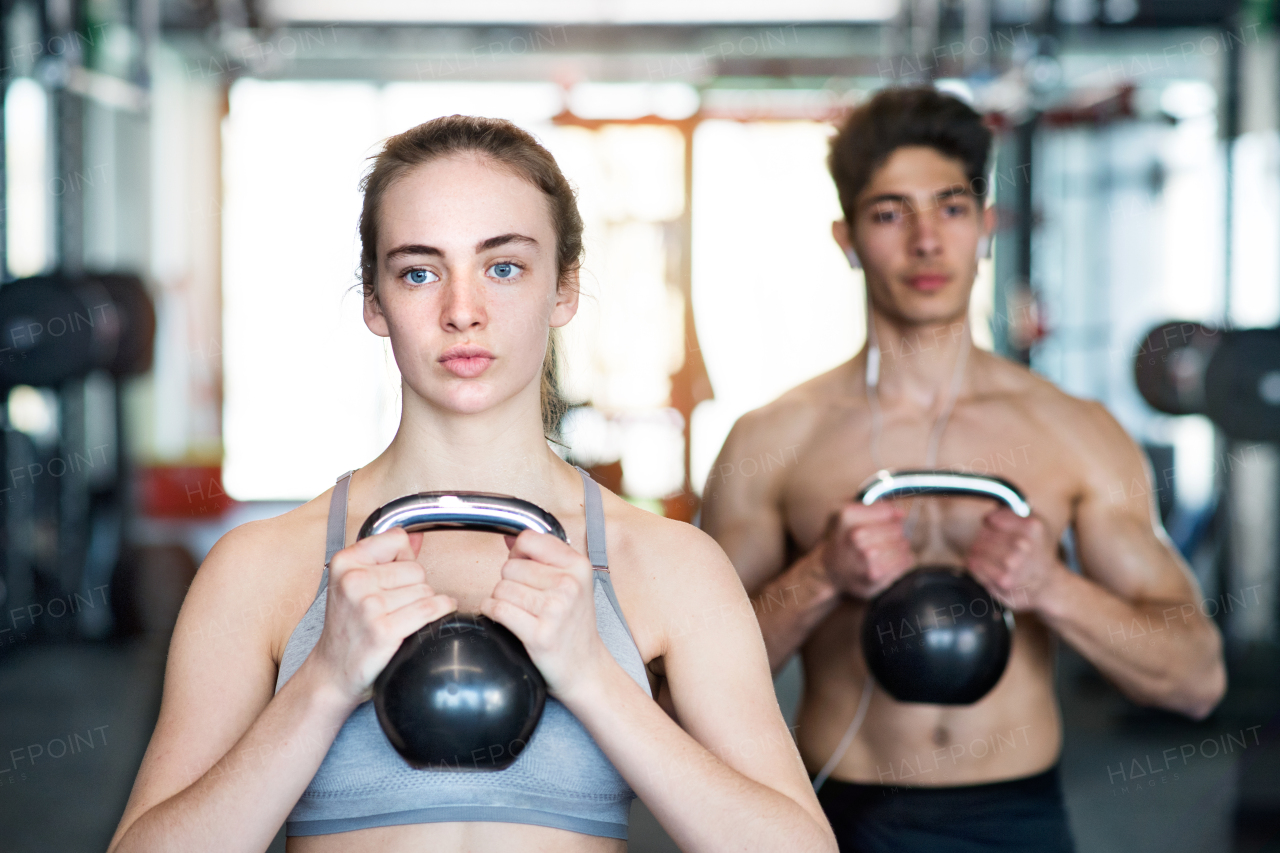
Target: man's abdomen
(1012, 732)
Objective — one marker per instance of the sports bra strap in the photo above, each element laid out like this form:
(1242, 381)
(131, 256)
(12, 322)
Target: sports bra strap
(597, 550)
(336, 535)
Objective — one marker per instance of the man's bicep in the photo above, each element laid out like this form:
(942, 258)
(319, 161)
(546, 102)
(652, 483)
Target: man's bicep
(1119, 540)
(755, 546)
(743, 515)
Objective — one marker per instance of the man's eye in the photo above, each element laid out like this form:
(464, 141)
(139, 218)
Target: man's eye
(419, 276)
(504, 270)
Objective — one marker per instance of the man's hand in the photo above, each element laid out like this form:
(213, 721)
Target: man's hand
(865, 549)
(1015, 559)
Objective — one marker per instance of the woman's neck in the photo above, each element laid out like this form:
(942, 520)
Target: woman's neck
(500, 450)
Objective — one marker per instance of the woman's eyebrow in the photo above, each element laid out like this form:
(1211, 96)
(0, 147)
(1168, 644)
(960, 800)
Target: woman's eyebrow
(413, 249)
(502, 240)
(482, 246)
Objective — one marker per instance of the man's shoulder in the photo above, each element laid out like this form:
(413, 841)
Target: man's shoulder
(1083, 425)
(794, 414)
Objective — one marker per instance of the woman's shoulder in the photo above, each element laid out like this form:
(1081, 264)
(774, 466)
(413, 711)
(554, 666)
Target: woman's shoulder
(671, 577)
(662, 551)
(262, 575)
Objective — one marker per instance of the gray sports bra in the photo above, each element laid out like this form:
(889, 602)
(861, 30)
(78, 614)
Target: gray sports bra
(561, 779)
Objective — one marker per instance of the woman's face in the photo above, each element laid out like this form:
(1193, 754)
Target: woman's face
(466, 283)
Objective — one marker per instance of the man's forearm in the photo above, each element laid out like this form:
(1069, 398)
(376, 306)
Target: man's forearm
(791, 605)
(1158, 653)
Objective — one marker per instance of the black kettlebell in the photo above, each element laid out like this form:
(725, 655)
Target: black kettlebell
(461, 693)
(936, 635)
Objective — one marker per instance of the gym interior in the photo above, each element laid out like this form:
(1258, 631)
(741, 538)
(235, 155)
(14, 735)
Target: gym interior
(183, 351)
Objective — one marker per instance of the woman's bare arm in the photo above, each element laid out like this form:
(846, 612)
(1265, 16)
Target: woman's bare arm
(228, 760)
(732, 778)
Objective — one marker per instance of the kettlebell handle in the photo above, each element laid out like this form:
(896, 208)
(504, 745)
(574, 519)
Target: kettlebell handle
(461, 511)
(886, 485)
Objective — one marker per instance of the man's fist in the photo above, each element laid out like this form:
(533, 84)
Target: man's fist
(865, 549)
(1014, 559)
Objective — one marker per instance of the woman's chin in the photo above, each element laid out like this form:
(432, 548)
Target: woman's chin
(470, 399)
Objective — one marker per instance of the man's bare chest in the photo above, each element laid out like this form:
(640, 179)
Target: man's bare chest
(830, 469)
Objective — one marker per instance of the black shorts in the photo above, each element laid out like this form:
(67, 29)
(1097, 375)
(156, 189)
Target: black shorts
(1020, 814)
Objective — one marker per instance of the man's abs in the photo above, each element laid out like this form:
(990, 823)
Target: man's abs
(1012, 732)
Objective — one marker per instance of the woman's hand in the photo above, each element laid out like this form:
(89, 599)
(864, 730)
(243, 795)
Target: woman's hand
(377, 596)
(546, 597)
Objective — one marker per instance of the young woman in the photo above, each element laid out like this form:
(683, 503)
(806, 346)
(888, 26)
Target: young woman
(471, 243)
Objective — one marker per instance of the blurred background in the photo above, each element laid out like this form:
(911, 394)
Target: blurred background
(179, 255)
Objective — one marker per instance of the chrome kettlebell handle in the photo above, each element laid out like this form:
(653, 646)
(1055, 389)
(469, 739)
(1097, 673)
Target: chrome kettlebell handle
(886, 485)
(461, 511)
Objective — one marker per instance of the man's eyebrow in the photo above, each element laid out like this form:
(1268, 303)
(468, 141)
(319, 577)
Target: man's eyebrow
(502, 240)
(951, 192)
(901, 199)
(413, 249)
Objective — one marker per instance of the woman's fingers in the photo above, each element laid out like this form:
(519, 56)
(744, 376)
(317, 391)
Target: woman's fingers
(412, 615)
(519, 621)
(385, 601)
(393, 546)
(521, 595)
(359, 582)
(531, 573)
(545, 548)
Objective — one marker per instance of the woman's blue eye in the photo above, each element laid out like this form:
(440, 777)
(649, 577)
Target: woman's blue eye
(418, 276)
(504, 270)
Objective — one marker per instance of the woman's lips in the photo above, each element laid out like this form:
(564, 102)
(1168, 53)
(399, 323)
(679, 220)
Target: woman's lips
(467, 362)
(928, 282)
(467, 368)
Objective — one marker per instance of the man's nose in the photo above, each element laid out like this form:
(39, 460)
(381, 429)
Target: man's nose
(924, 233)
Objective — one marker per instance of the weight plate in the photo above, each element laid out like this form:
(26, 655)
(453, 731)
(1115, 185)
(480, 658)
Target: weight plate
(1169, 366)
(46, 332)
(1242, 385)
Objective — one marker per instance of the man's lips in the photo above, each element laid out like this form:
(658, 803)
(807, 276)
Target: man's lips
(466, 362)
(928, 281)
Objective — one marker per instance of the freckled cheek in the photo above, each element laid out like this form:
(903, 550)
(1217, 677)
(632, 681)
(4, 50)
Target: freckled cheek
(524, 330)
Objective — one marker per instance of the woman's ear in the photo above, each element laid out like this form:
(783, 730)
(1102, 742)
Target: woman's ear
(374, 318)
(566, 306)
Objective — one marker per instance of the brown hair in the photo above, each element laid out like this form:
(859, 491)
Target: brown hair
(509, 147)
(902, 116)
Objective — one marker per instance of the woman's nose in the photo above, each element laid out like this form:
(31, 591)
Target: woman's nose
(463, 306)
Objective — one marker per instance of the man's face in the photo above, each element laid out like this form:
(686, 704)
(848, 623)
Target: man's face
(916, 227)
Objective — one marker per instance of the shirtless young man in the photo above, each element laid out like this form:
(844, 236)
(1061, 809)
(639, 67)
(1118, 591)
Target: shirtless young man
(909, 166)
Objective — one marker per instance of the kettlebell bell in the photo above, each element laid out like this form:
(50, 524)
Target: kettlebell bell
(461, 693)
(936, 635)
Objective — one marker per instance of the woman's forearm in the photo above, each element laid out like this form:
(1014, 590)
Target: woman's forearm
(702, 802)
(240, 802)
